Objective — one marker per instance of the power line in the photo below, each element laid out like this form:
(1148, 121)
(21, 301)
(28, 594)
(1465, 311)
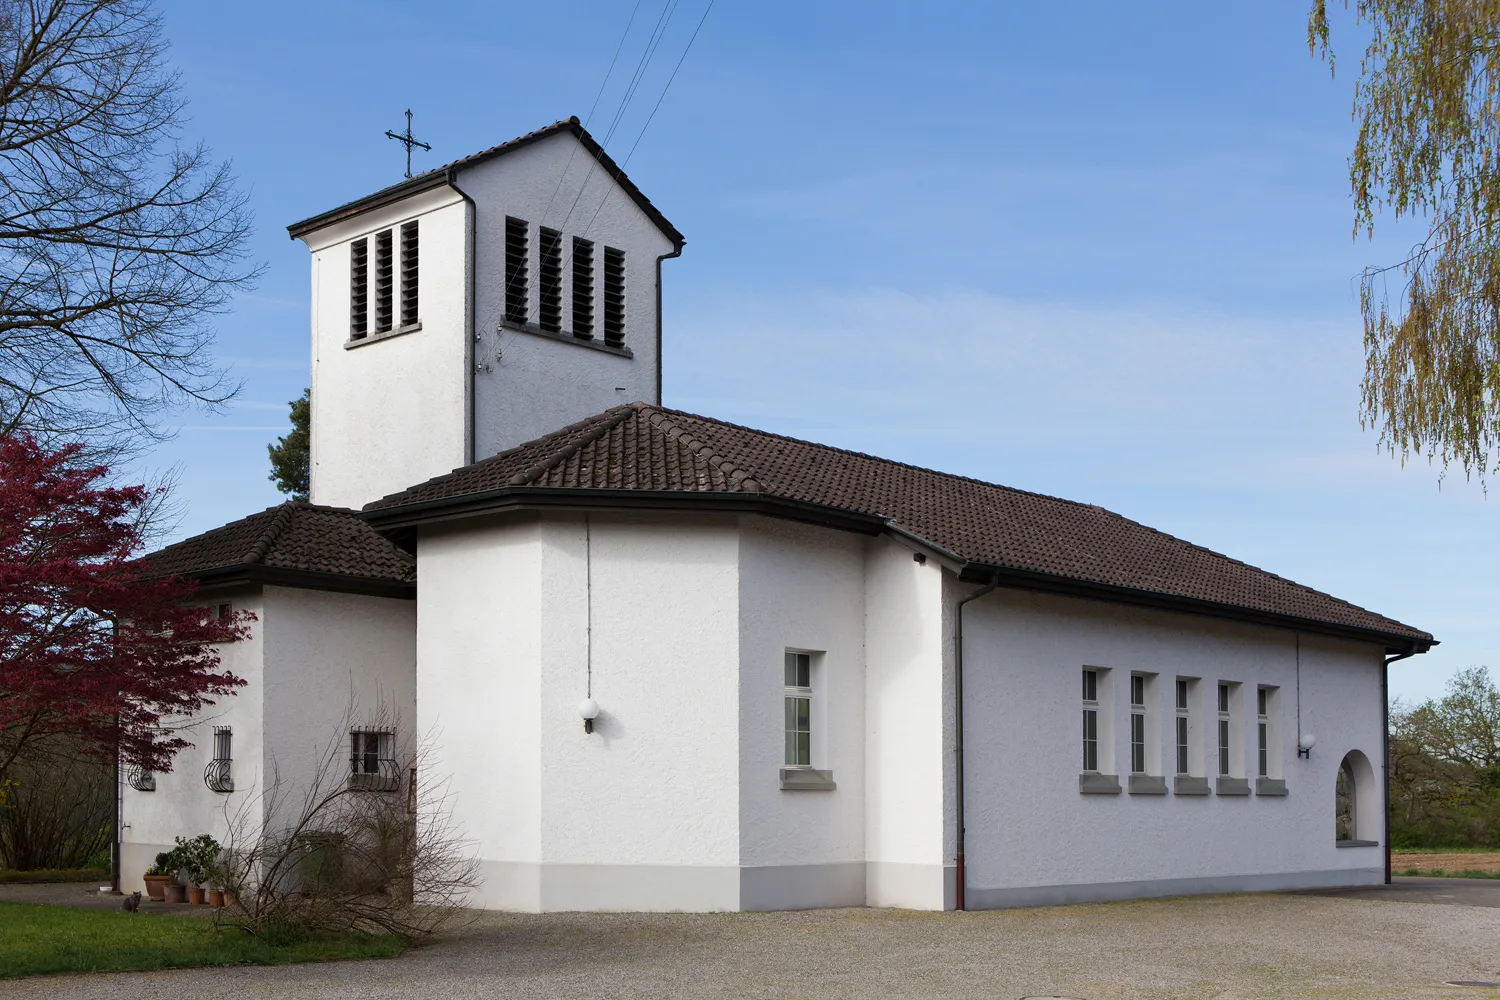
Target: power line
(681, 59)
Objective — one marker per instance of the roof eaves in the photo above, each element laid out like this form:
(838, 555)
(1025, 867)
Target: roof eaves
(255, 574)
(1413, 641)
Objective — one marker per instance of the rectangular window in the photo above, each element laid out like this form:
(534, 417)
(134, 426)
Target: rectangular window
(798, 702)
(583, 288)
(370, 747)
(1224, 720)
(549, 276)
(517, 309)
(1090, 720)
(1263, 730)
(410, 278)
(614, 297)
(385, 280)
(359, 289)
(1184, 756)
(224, 611)
(1137, 724)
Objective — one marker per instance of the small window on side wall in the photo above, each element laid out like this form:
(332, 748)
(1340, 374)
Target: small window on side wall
(1090, 720)
(797, 702)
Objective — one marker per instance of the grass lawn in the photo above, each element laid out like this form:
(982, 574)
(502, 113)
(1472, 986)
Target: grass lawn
(98, 876)
(36, 940)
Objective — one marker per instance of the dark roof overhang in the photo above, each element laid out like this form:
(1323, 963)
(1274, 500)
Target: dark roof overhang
(400, 522)
(255, 574)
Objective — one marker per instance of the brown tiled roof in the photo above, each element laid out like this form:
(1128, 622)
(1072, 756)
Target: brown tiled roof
(639, 447)
(290, 541)
(439, 175)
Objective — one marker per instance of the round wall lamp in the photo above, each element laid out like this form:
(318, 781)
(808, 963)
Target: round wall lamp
(588, 710)
(1305, 745)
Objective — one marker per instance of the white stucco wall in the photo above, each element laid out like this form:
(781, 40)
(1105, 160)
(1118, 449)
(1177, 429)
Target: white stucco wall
(390, 411)
(333, 661)
(528, 385)
(907, 757)
(312, 659)
(1032, 837)
(801, 588)
(182, 805)
(641, 814)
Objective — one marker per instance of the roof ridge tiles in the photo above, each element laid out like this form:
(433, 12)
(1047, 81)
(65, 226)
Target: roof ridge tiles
(279, 521)
(878, 458)
(394, 499)
(573, 447)
(658, 417)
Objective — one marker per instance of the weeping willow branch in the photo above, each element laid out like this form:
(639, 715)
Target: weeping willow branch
(1427, 106)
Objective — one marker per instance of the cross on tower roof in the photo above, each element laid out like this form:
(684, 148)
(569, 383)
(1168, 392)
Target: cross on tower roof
(406, 140)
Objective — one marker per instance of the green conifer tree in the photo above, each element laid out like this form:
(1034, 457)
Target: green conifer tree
(290, 462)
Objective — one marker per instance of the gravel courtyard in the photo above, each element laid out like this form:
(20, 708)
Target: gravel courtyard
(1250, 947)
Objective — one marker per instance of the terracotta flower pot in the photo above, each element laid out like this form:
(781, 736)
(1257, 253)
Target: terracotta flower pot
(176, 893)
(195, 894)
(156, 886)
(216, 897)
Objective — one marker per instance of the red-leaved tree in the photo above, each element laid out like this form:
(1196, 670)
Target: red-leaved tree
(94, 655)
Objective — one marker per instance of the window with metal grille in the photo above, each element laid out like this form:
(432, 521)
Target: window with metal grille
(549, 277)
(798, 703)
(217, 775)
(359, 289)
(583, 288)
(1183, 763)
(372, 760)
(385, 280)
(1137, 724)
(517, 310)
(410, 277)
(614, 297)
(1090, 720)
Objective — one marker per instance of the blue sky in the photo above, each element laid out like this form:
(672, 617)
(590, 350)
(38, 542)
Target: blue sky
(1096, 250)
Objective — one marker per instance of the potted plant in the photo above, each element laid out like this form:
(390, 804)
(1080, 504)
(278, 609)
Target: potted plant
(200, 856)
(158, 875)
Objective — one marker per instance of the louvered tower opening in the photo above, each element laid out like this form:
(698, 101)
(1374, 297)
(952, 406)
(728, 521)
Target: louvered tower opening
(410, 278)
(516, 278)
(583, 288)
(614, 297)
(385, 280)
(549, 275)
(359, 289)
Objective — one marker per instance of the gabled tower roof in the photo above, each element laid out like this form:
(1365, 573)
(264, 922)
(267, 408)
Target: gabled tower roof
(446, 173)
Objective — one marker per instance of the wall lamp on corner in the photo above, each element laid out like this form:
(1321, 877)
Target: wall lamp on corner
(1305, 744)
(588, 709)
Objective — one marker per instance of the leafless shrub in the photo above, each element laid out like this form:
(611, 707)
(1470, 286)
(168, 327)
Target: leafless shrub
(362, 850)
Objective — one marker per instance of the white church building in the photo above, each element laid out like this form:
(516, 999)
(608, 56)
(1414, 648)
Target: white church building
(818, 678)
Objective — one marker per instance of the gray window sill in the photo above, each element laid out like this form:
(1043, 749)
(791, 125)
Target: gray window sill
(1232, 786)
(1270, 786)
(595, 343)
(1357, 843)
(1147, 784)
(375, 338)
(1186, 784)
(806, 779)
(1093, 783)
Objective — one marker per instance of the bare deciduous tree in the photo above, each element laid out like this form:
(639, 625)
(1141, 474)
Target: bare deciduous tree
(118, 244)
(350, 848)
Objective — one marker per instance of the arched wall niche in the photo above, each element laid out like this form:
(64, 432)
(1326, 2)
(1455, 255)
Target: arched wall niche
(1356, 809)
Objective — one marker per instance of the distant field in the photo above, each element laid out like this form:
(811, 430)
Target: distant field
(1486, 863)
